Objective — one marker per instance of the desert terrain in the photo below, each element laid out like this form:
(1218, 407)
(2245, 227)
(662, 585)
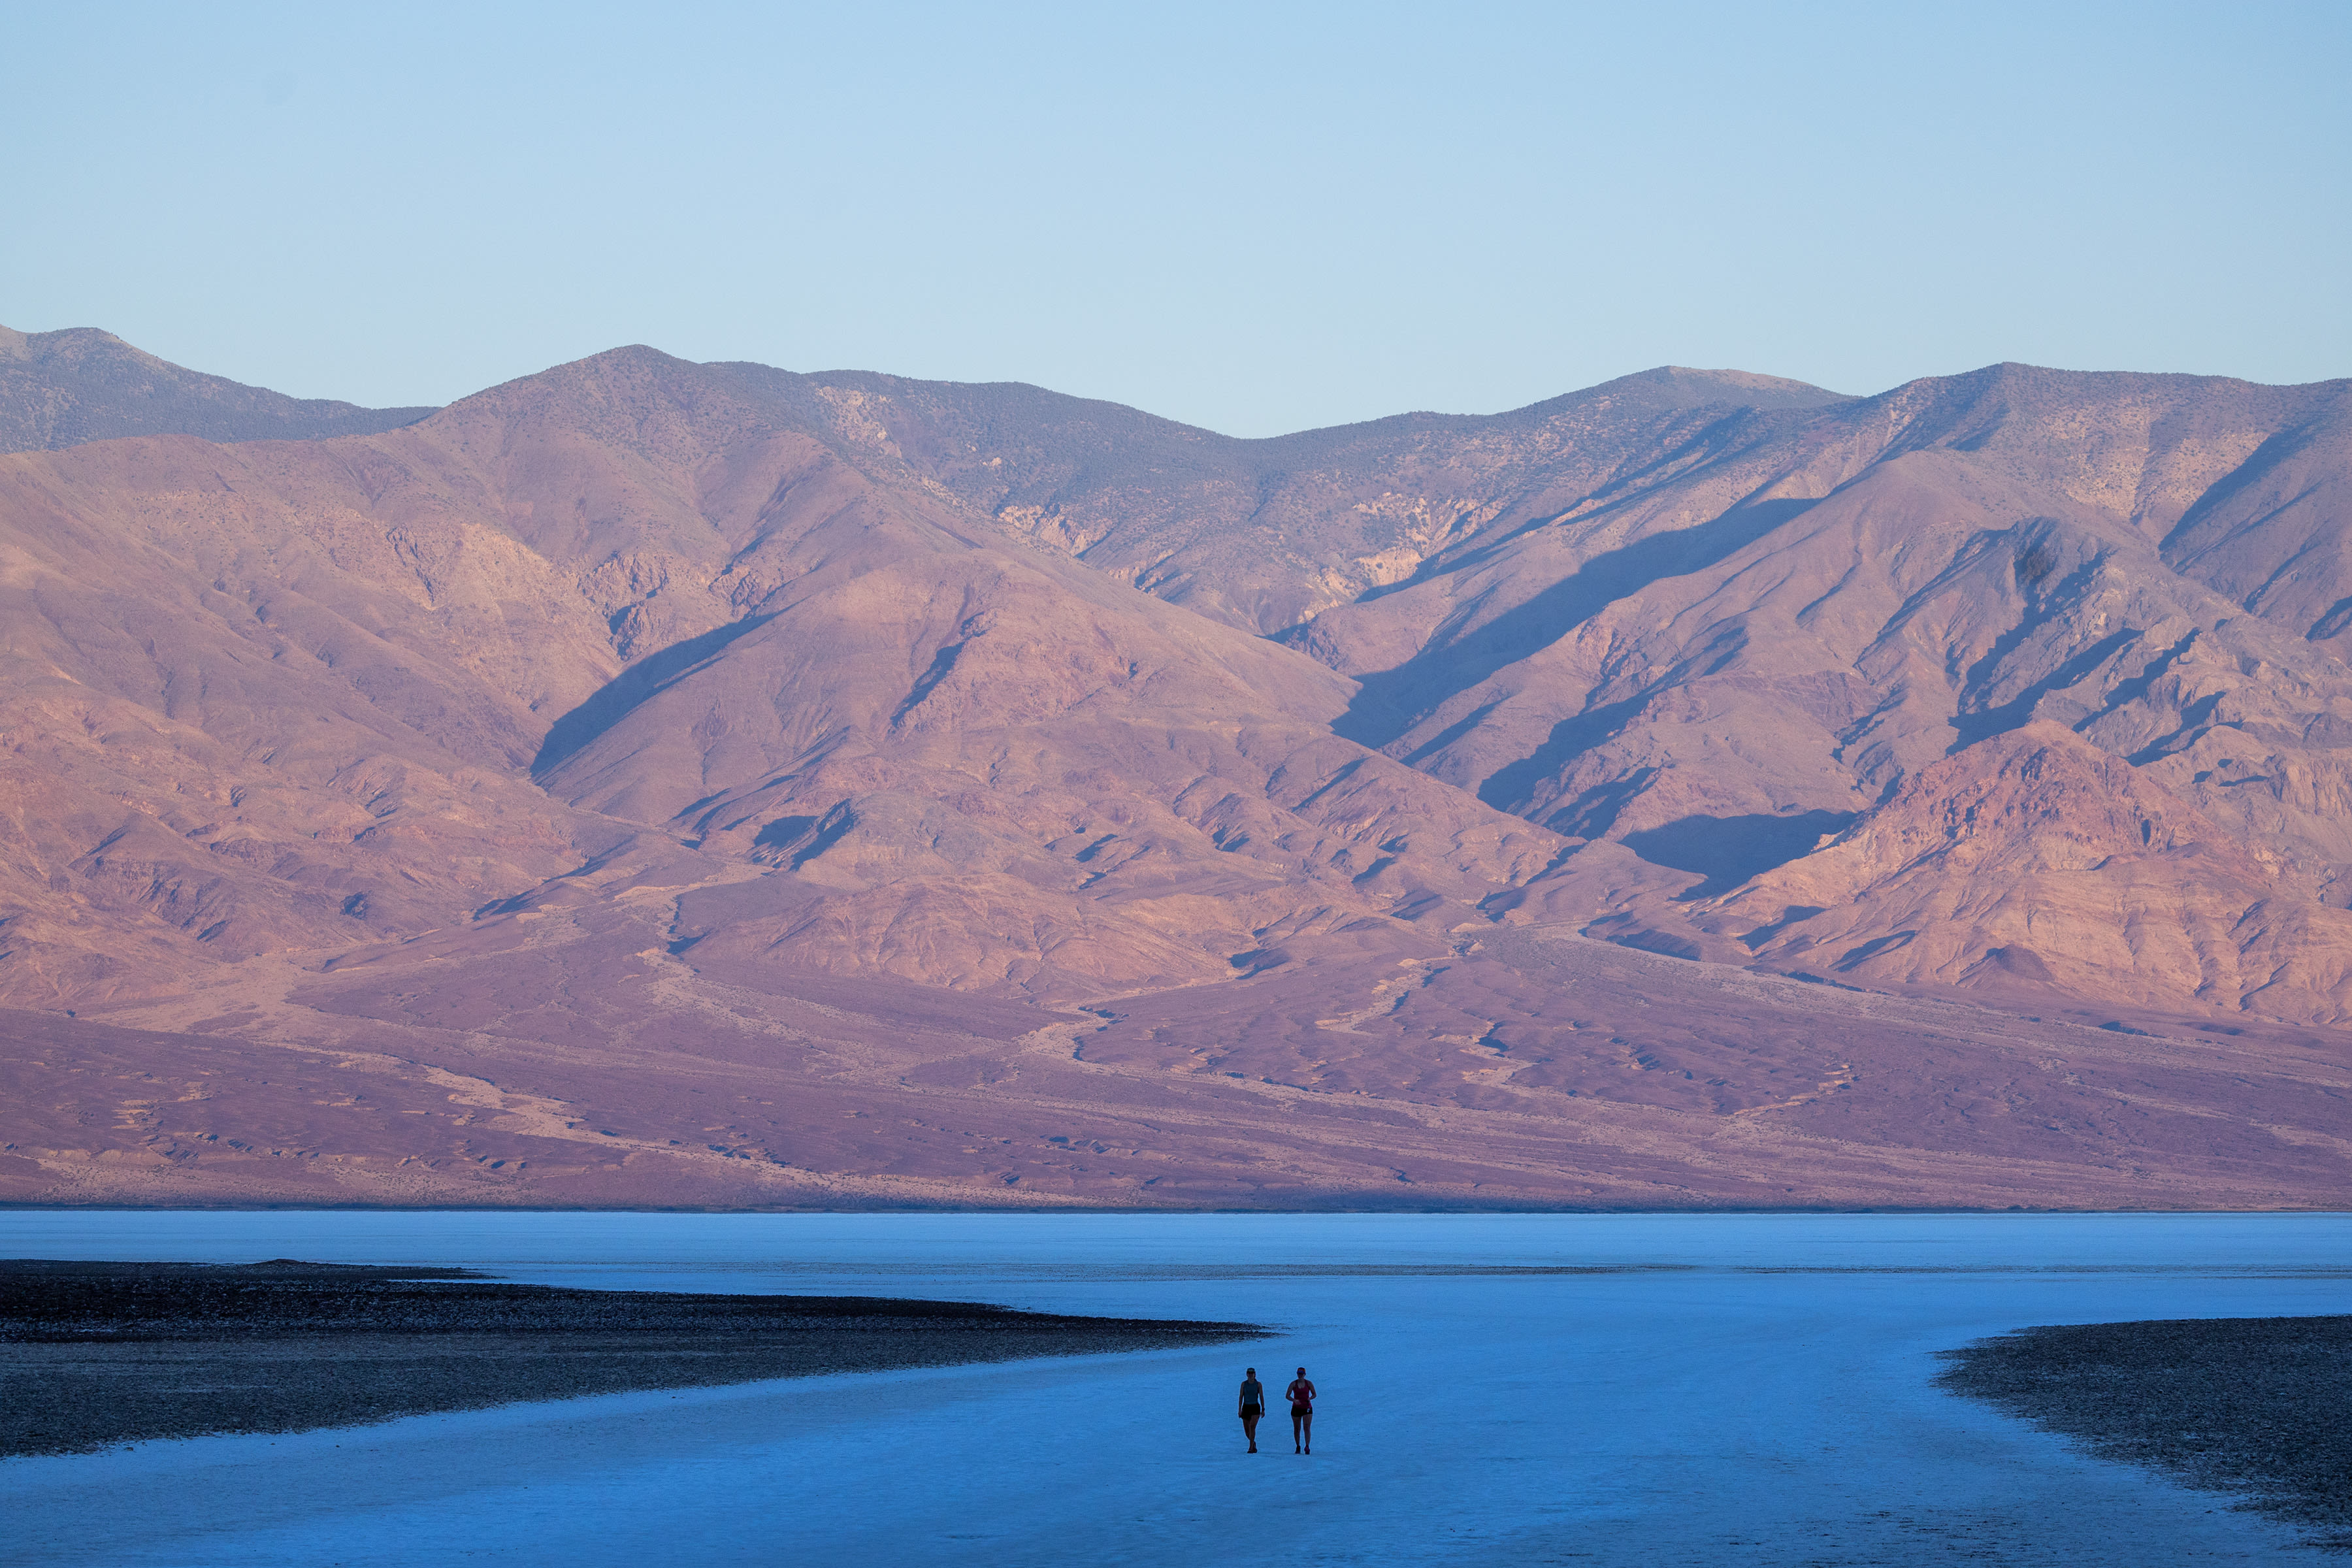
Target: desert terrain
(672, 785)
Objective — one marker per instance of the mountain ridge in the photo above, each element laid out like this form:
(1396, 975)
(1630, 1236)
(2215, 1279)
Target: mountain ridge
(739, 786)
(62, 388)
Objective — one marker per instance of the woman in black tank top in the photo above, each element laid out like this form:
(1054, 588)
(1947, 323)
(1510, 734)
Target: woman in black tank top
(1253, 1406)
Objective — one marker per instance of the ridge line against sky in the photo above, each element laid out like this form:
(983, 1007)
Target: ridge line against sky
(1253, 222)
(1733, 373)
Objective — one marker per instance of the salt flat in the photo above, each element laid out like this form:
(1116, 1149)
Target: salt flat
(1722, 1389)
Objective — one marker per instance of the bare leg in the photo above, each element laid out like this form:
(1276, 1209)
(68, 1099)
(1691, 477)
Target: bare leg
(1307, 1432)
(1249, 1430)
(1298, 1430)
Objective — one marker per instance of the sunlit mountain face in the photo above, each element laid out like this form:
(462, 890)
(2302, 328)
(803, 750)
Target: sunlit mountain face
(665, 782)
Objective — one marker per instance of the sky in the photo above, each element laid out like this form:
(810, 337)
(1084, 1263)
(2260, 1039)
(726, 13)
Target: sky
(1254, 218)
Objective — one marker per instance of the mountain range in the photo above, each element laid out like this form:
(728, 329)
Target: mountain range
(672, 784)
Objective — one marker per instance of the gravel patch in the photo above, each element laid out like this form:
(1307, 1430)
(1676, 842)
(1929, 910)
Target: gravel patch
(93, 1355)
(2257, 1407)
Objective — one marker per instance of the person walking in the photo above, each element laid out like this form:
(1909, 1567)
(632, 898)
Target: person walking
(1253, 1405)
(1301, 1393)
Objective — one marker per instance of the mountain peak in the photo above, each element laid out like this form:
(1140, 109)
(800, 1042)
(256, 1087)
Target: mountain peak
(1667, 388)
(1748, 386)
(82, 384)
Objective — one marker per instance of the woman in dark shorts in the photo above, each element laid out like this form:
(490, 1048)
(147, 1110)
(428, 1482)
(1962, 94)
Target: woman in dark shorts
(1302, 1414)
(1253, 1406)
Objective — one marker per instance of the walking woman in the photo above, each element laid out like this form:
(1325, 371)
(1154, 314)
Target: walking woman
(1302, 1414)
(1253, 1406)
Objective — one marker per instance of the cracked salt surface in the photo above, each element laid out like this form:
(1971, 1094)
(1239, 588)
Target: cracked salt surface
(1693, 1389)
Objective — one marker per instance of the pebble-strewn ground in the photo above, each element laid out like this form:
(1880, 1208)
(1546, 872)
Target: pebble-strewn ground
(2257, 1405)
(93, 1354)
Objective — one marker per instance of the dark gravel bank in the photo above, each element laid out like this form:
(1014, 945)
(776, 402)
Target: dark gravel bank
(2259, 1407)
(93, 1354)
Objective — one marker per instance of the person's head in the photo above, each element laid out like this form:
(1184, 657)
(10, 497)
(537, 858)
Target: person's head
(1302, 1372)
(1249, 1372)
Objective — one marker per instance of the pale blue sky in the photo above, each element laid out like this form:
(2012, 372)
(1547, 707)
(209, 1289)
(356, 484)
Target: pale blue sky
(1251, 218)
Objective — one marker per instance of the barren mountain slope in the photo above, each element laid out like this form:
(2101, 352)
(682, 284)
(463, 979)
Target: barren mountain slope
(237, 714)
(970, 762)
(651, 783)
(1712, 618)
(283, 695)
(573, 1061)
(1926, 567)
(2035, 863)
(1263, 533)
(1720, 634)
(59, 389)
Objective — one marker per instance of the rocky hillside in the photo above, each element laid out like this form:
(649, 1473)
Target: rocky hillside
(657, 781)
(283, 695)
(1699, 623)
